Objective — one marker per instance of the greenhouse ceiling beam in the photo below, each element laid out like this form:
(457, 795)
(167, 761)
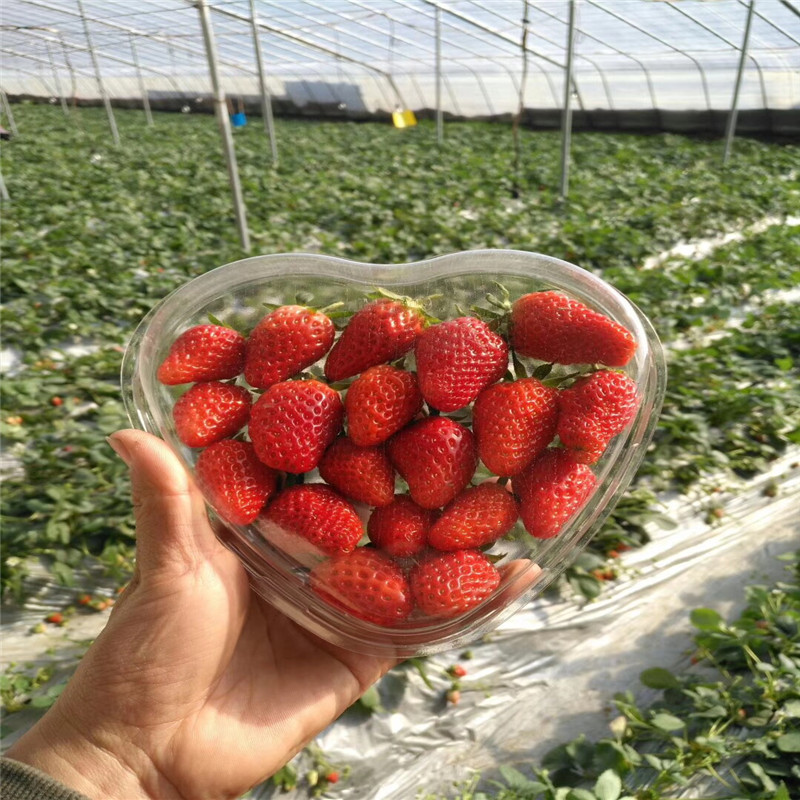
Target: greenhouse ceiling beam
(28, 71)
(552, 41)
(633, 58)
(437, 24)
(492, 32)
(729, 43)
(417, 59)
(773, 25)
(336, 41)
(370, 42)
(791, 8)
(310, 45)
(500, 64)
(165, 40)
(102, 53)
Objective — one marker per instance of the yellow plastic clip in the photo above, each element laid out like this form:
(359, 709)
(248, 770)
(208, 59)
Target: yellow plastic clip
(404, 119)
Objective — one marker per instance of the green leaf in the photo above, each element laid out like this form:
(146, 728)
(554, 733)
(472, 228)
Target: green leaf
(667, 722)
(759, 772)
(784, 364)
(782, 793)
(371, 700)
(659, 678)
(789, 742)
(514, 778)
(608, 786)
(705, 619)
(580, 794)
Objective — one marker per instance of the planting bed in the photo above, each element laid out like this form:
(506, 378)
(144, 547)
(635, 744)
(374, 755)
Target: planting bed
(94, 237)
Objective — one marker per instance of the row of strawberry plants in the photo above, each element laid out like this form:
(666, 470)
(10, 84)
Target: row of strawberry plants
(727, 725)
(64, 244)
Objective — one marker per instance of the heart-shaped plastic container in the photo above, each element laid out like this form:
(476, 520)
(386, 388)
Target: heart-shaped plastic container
(236, 295)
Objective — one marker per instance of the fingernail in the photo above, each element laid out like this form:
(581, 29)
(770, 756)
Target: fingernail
(119, 448)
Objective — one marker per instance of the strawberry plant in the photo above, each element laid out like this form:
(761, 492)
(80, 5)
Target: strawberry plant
(103, 233)
(728, 727)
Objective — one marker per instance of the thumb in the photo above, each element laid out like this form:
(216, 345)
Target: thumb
(173, 533)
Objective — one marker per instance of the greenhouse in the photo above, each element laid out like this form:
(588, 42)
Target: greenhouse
(451, 160)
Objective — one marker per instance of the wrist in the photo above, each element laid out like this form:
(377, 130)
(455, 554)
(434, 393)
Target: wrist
(98, 764)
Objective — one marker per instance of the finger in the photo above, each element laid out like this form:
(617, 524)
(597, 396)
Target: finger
(172, 529)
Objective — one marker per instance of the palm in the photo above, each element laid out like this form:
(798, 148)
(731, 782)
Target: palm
(230, 684)
(196, 688)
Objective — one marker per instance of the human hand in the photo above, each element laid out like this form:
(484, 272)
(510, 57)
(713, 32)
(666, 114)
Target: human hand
(196, 688)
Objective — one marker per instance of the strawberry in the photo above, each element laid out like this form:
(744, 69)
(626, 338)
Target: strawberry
(367, 584)
(284, 343)
(449, 584)
(318, 514)
(294, 422)
(401, 528)
(593, 411)
(364, 474)
(379, 403)
(381, 331)
(478, 516)
(551, 491)
(552, 327)
(513, 423)
(237, 483)
(203, 353)
(209, 412)
(456, 360)
(437, 457)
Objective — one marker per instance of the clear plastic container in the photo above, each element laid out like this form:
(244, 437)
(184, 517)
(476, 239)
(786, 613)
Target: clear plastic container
(236, 293)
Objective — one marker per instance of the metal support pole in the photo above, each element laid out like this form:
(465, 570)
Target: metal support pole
(3, 191)
(112, 123)
(266, 100)
(566, 118)
(142, 88)
(730, 129)
(221, 110)
(12, 124)
(61, 96)
(439, 115)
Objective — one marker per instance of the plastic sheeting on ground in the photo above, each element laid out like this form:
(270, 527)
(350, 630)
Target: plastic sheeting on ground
(550, 673)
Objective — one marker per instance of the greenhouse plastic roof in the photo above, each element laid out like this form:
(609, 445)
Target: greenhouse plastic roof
(628, 53)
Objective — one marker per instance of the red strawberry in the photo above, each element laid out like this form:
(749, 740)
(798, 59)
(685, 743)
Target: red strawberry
(367, 584)
(237, 483)
(318, 514)
(478, 516)
(593, 411)
(284, 343)
(552, 327)
(551, 491)
(294, 422)
(203, 353)
(381, 331)
(379, 403)
(513, 423)
(401, 528)
(449, 584)
(437, 457)
(209, 412)
(456, 360)
(364, 474)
